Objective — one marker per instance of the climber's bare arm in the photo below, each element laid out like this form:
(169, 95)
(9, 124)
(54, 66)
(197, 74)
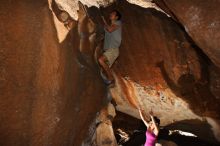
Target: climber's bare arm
(142, 117)
(156, 130)
(109, 28)
(103, 19)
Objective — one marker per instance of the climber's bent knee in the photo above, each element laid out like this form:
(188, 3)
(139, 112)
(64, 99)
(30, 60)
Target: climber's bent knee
(102, 60)
(111, 55)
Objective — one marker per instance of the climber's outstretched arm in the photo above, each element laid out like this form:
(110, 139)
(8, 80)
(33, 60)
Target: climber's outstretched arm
(143, 119)
(109, 28)
(103, 19)
(156, 129)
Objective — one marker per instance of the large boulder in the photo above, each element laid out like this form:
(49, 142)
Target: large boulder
(50, 89)
(201, 21)
(104, 135)
(160, 69)
(50, 84)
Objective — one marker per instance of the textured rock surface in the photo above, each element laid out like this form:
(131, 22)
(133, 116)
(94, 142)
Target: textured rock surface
(71, 6)
(49, 81)
(159, 69)
(201, 20)
(104, 132)
(49, 92)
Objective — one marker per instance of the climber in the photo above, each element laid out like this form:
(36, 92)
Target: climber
(112, 43)
(152, 129)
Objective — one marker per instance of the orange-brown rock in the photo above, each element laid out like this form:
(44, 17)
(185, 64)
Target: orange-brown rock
(50, 89)
(159, 68)
(104, 135)
(201, 21)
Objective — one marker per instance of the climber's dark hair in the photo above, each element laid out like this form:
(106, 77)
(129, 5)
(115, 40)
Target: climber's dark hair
(118, 14)
(157, 121)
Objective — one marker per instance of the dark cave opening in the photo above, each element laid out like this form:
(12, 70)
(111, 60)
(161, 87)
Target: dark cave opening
(130, 131)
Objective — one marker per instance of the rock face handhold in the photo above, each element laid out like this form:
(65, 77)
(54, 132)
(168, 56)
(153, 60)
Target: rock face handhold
(201, 20)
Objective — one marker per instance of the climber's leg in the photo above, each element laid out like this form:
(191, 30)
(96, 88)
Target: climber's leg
(104, 64)
(107, 60)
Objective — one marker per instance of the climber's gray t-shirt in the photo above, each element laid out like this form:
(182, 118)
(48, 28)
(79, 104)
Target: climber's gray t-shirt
(113, 39)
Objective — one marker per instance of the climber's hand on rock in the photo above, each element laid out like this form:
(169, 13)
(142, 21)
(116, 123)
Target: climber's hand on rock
(151, 112)
(103, 18)
(141, 110)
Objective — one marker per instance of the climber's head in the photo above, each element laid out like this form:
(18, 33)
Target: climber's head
(157, 122)
(115, 15)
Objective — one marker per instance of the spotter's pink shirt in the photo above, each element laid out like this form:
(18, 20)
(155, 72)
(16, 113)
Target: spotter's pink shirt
(150, 139)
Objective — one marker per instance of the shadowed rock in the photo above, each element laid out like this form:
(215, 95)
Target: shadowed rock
(200, 20)
(50, 91)
(159, 68)
(50, 84)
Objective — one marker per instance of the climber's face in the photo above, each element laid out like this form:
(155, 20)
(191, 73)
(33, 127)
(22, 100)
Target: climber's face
(113, 16)
(151, 125)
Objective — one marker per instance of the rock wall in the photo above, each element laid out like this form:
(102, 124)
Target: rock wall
(49, 92)
(160, 68)
(104, 135)
(50, 85)
(200, 20)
